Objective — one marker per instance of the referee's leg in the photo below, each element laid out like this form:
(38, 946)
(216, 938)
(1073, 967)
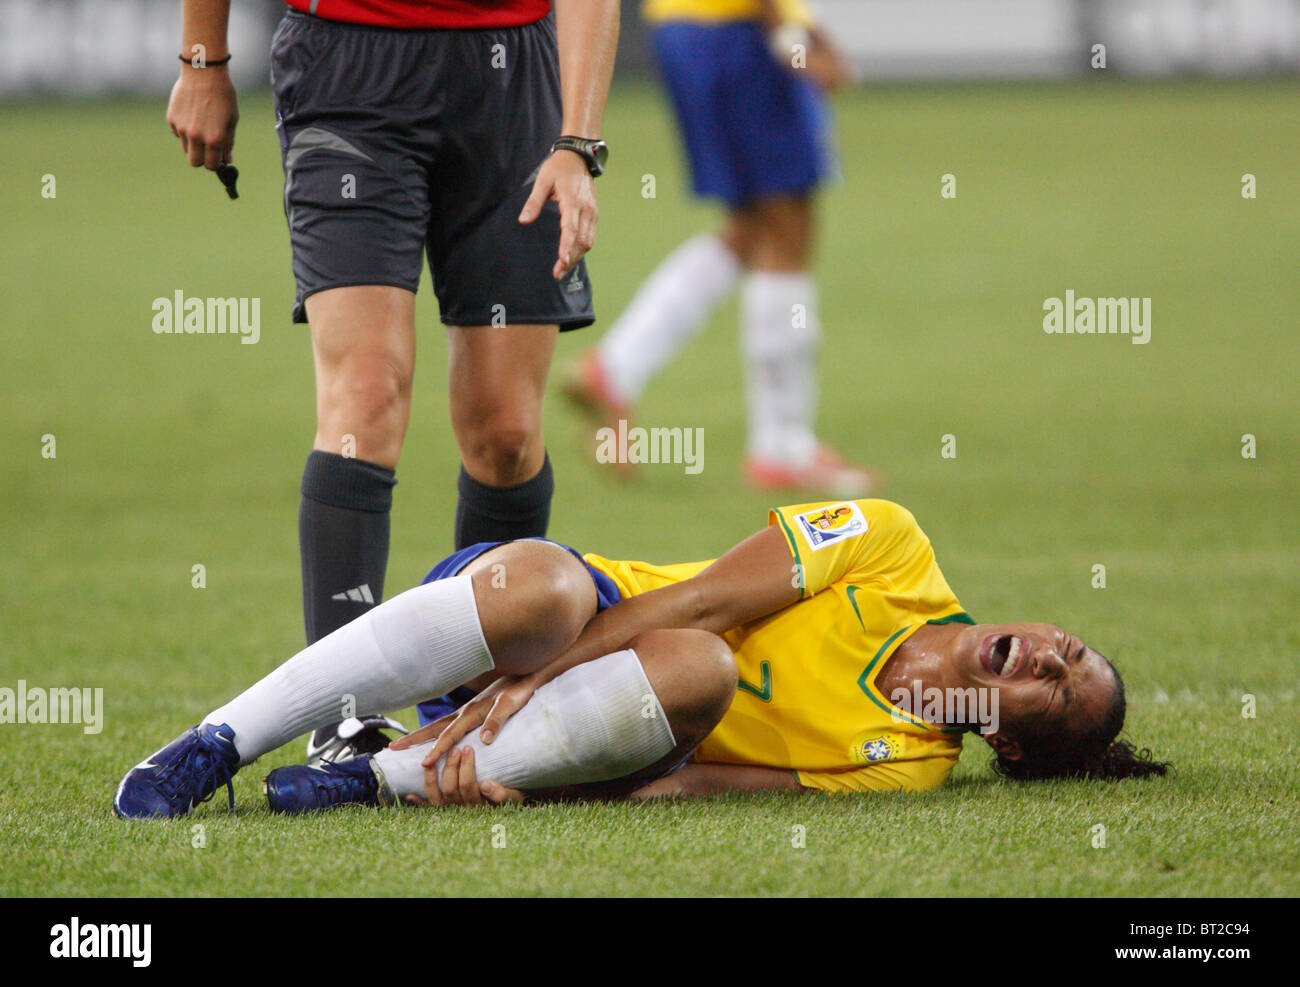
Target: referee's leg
(363, 342)
(497, 381)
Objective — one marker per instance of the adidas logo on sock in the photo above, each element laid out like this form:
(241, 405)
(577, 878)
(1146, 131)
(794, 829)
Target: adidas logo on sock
(359, 594)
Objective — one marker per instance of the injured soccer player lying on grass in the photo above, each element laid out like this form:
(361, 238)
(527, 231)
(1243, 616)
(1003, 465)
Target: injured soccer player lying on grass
(824, 652)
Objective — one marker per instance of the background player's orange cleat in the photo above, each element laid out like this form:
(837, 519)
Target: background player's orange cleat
(586, 384)
(827, 474)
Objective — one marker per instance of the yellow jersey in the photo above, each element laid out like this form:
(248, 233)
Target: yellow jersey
(721, 11)
(807, 698)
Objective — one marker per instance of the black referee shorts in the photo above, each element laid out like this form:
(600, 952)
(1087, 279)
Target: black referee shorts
(396, 142)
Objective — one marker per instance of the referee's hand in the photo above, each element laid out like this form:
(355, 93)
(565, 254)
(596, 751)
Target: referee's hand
(203, 112)
(564, 178)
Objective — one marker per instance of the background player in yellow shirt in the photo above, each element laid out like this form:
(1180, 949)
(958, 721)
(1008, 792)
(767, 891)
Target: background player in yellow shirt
(790, 662)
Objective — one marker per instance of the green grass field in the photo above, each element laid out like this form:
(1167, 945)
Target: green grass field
(1072, 451)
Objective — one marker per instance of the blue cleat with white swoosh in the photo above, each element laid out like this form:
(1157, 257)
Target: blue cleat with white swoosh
(186, 772)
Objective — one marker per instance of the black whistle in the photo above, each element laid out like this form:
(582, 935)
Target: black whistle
(229, 174)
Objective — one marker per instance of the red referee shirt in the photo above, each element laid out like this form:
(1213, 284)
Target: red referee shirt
(428, 13)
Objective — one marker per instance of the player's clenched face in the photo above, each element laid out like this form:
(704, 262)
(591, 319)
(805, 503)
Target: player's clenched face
(1047, 680)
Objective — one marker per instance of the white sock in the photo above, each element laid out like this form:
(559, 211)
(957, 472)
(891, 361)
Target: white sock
(421, 643)
(598, 721)
(670, 307)
(780, 333)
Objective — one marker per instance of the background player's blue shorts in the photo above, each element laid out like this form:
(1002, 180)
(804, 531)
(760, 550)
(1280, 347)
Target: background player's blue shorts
(752, 127)
(607, 595)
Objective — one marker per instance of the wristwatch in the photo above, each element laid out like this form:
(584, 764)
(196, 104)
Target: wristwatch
(595, 153)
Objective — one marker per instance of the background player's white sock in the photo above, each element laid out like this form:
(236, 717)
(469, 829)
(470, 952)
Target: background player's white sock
(780, 333)
(598, 721)
(421, 643)
(669, 308)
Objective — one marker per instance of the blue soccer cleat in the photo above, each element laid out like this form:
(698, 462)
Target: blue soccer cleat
(309, 788)
(186, 772)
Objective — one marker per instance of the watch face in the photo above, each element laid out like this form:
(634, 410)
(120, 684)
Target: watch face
(600, 151)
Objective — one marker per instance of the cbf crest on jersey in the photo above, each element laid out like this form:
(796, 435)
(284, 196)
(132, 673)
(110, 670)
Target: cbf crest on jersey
(875, 747)
(827, 525)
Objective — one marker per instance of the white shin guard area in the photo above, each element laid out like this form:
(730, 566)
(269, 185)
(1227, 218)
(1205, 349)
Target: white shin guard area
(596, 722)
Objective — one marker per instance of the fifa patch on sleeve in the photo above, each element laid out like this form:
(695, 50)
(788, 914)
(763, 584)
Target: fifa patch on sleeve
(827, 525)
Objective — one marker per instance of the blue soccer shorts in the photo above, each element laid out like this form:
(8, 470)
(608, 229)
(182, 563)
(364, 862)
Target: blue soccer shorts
(752, 127)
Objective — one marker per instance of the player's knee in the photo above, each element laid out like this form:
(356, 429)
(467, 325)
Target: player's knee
(497, 448)
(782, 234)
(713, 688)
(738, 235)
(718, 673)
(694, 675)
(369, 402)
(562, 598)
(377, 394)
(533, 599)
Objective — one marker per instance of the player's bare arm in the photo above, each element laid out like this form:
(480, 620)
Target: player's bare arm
(750, 581)
(203, 110)
(692, 780)
(458, 783)
(587, 33)
(817, 55)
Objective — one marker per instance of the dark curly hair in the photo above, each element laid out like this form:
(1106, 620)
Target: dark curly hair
(1094, 754)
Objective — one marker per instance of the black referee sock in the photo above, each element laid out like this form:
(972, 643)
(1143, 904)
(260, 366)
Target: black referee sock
(343, 539)
(486, 513)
